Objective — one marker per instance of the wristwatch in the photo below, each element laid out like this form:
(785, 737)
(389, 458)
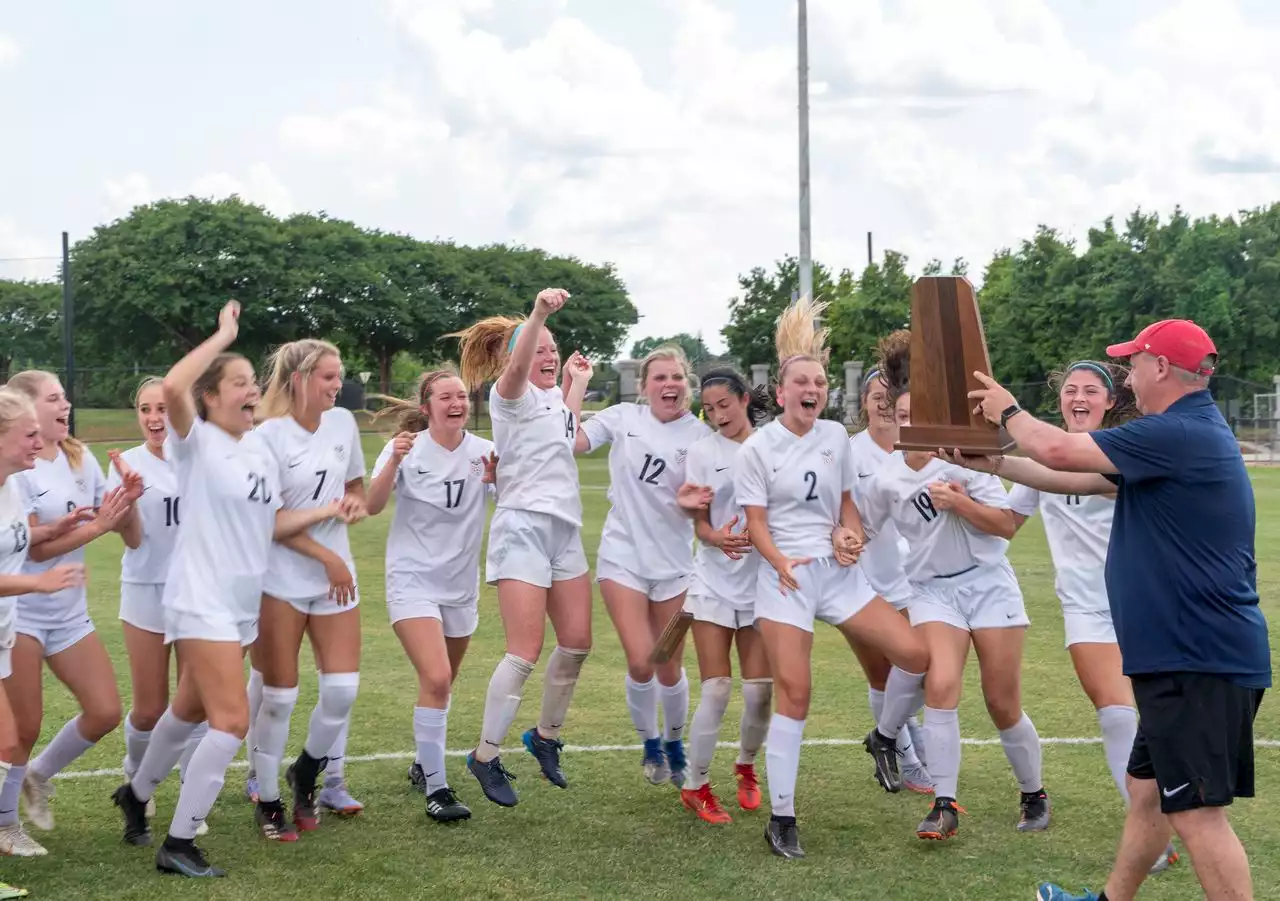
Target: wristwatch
(1009, 413)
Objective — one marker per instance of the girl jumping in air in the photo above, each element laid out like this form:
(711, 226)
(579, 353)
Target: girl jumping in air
(535, 539)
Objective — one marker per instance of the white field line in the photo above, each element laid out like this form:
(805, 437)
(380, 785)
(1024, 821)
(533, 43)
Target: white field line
(608, 749)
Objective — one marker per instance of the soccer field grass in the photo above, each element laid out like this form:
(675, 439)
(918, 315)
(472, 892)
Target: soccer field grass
(612, 835)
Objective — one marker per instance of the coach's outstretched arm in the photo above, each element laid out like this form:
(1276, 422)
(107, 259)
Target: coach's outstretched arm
(180, 380)
(1028, 472)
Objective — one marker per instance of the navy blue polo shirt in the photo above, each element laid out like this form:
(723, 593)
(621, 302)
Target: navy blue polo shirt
(1181, 571)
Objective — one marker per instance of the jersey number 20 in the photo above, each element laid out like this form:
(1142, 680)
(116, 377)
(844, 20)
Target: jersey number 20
(258, 490)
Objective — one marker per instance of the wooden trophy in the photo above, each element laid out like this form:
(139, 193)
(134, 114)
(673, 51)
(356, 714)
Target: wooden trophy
(671, 636)
(947, 347)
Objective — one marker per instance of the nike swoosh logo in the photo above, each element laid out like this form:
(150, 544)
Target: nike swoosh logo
(865, 475)
(721, 468)
(295, 465)
(424, 472)
(43, 493)
(1169, 793)
(632, 435)
(429, 775)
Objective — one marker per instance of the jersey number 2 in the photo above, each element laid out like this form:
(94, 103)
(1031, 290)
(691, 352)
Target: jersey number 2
(811, 479)
(658, 465)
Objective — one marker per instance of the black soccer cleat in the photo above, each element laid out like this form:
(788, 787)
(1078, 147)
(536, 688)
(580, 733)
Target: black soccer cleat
(884, 751)
(136, 829)
(417, 778)
(443, 806)
(1033, 812)
(942, 821)
(783, 837)
(181, 856)
(547, 752)
(495, 781)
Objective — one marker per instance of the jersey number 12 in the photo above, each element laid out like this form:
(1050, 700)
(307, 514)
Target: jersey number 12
(652, 469)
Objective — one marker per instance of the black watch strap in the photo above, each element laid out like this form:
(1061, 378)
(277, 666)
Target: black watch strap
(1009, 413)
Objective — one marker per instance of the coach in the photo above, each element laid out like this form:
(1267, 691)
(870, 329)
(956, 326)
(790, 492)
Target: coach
(1182, 580)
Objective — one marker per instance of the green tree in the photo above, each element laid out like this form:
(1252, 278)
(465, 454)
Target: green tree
(754, 312)
(693, 346)
(877, 304)
(30, 324)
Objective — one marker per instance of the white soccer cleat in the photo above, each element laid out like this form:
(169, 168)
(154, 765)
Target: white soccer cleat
(15, 842)
(36, 793)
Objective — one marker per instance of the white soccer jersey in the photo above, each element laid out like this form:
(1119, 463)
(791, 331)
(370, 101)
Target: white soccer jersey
(439, 517)
(939, 543)
(882, 557)
(646, 532)
(15, 537)
(1079, 530)
(314, 470)
(711, 463)
(50, 491)
(799, 480)
(534, 437)
(230, 494)
(159, 511)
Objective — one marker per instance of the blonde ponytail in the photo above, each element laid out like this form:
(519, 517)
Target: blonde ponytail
(483, 348)
(295, 358)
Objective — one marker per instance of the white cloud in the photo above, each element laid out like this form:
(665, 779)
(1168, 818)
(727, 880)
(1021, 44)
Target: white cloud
(260, 185)
(23, 255)
(10, 52)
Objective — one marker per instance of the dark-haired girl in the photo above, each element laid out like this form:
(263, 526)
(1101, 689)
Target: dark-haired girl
(722, 597)
(230, 488)
(437, 470)
(1078, 528)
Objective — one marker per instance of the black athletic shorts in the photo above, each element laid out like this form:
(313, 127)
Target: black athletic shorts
(1195, 738)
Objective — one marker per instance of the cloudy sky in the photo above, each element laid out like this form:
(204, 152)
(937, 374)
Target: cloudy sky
(656, 134)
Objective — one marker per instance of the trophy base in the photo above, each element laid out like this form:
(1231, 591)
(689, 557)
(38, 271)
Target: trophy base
(970, 441)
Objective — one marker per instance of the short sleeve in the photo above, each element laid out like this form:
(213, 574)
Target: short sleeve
(355, 460)
(848, 469)
(750, 479)
(1143, 448)
(383, 459)
(510, 409)
(695, 468)
(873, 508)
(93, 469)
(26, 493)
(1024, 501)
(602, 428)
(988, 490)
(186, 448)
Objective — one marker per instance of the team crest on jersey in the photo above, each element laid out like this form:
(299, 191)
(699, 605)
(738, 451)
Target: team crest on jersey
(829, 456)
(340, 450)
(682, 453)
(82, 485)
(477, 466)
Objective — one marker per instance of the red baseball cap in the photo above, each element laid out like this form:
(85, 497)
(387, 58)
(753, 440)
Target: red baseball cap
(1180, 341)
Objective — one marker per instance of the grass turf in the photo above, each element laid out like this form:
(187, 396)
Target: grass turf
(612, 835)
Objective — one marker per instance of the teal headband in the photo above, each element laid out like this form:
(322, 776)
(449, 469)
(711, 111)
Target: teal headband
(1095, 367)
(511, 345)
(874, 373)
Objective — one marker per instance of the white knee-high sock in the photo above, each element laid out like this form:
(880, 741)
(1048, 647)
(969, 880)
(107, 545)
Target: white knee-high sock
(1022, 748)
(705, 728)
(272, 735)
(903, 693)
(875, 700)
(757, 699)
(782, 763)
(337, 697)
(501, 704)
(942, 733)
(168, 739)
(66, 746)
(9, 794)
(558, 684)
(429, 726)
(254, 690)
(197, 736)
(135, 746)
(642, 702)
(335, 773)
(205, 777)
(1119, 728)
(675, 708)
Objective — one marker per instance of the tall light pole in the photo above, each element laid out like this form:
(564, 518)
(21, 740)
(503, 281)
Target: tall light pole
(806, 254)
